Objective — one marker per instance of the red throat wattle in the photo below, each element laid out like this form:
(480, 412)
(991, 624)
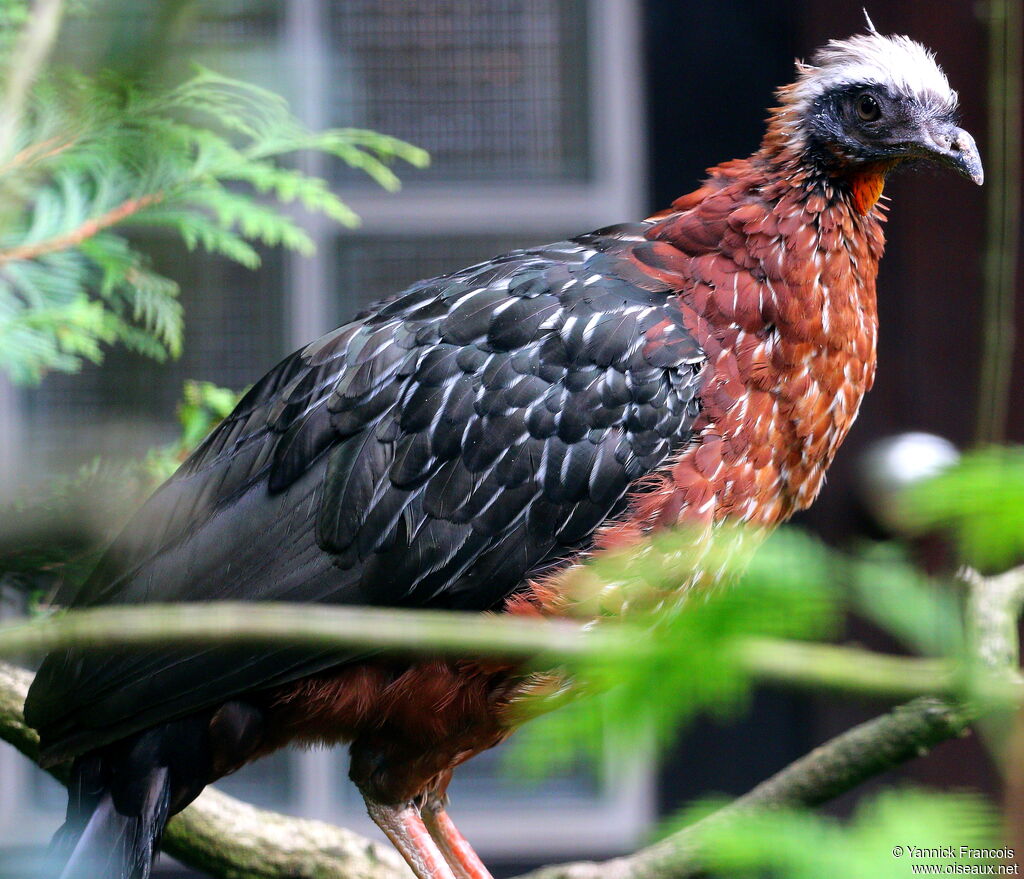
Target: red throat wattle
(867, 185)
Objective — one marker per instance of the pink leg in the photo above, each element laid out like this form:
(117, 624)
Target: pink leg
(407, 832)
(464, 862)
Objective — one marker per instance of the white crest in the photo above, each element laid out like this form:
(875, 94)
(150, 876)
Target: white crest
(895, 62)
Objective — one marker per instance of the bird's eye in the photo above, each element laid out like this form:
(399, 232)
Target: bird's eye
(868, 108)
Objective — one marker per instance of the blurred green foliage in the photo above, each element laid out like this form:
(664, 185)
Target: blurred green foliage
(203, 406)
(879, 842)
(53, 537)
(683, 659)
(90, 157)
(924, 613)
(684, 664)
(980, 502)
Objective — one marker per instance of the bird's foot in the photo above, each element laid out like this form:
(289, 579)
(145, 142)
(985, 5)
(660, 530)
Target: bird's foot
(464, 862)
(404, 826)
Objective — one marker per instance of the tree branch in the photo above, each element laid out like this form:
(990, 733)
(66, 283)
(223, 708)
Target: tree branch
(849, 669)
(36, 152)
(993, 607)
(772, 660)
(362, 628)
(76, 236)
(34, 46)
(1002, 247)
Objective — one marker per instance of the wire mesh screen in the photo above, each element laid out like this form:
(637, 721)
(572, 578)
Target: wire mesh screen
(244, 38)
(233, 334)
(494, 774)
(493, 90)
(270, 783)
(237, 37)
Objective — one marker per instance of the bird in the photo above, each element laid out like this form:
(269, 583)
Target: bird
(471, 442)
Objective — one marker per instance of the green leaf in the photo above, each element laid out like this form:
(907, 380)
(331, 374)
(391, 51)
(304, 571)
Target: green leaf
(203, 406)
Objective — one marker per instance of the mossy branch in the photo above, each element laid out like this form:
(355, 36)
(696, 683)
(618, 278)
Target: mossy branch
(362, 628)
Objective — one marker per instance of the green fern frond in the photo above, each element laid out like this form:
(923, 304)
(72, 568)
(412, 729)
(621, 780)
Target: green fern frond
(33, 340)
(203, 159)
(146, 299)
(198, 229)
(254, 221)
(288, 185)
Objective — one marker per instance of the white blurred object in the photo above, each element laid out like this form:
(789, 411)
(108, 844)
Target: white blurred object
(888, 467)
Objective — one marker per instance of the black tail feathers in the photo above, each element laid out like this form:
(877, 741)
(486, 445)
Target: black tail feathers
(120, 797)
(111, 838)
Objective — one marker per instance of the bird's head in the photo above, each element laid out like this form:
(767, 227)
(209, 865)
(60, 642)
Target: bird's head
(868, 104)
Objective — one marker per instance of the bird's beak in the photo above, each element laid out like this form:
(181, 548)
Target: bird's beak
(953, 147)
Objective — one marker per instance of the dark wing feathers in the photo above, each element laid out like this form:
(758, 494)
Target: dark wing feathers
(436, 452)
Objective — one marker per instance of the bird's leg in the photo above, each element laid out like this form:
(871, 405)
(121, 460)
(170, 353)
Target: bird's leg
(404, 826)
(464, 862)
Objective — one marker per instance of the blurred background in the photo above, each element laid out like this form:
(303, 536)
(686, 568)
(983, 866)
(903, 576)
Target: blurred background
(543, 118)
